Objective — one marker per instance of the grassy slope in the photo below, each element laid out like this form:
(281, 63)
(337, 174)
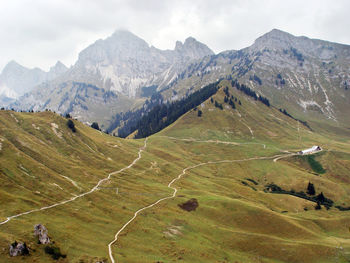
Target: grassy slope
(233, 223)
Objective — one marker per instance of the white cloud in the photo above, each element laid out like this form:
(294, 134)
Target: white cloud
(40, 32)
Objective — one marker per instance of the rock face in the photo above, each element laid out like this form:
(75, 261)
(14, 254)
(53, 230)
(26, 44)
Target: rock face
(111, 75)
(42, 233)
(18, 249)
(125, 63)
(310, 78)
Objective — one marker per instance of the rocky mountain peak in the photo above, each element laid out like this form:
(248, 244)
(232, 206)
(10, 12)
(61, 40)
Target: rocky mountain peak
(193, 48)
(279, 40)
(126, 36)
(13, 66)
(58, 68)
(275, 39)
(16, 80)
(120, 45)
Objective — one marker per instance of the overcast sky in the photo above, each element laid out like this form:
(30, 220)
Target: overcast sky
(37, 33)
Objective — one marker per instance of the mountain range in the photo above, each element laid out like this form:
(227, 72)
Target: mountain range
(245, 156)
(307, 77)
(16, 80)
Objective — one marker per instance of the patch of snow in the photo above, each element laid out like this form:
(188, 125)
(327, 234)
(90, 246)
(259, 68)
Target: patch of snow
(328, 103)
(172, 78)
(305, 103)
(291, 81)
(299, 82)
(310, 87)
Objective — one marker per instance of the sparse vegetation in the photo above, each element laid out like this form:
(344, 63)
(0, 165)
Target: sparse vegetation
(297, 54)
(55, 252)
(256, 79)
(248, 91)
(252, 180)
(315, 165)
(218, 105)
(320, 198)
(163, 115)
(290, 116)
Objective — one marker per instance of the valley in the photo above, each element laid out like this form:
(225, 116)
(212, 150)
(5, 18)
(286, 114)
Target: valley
(239, 164)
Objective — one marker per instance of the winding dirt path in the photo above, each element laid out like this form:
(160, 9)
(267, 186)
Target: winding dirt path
(95, 188)
(174, 193)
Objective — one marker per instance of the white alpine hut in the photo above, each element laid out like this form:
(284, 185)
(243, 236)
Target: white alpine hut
(313, 149)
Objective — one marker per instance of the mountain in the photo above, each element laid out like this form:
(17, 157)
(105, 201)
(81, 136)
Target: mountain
(16, 80)
(125, 63)
(114, 75)
(308, 77)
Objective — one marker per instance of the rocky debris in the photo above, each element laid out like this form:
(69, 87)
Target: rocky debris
(18, 249)
(173, 231)
(190, 205)
(42, 233)
(54, 128)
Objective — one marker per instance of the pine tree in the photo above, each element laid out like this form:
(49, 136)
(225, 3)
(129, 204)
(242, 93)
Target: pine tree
(311, 189)
(199, 113)
(95, 126)
(318, 206)
(320, 198)
(71, 125)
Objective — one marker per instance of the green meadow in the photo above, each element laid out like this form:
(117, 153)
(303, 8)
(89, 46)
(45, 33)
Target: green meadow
(42, 162)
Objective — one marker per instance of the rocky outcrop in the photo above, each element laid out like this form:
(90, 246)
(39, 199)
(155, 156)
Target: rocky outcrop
(18, 249)
(190, 205)
(42, 233)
